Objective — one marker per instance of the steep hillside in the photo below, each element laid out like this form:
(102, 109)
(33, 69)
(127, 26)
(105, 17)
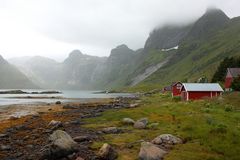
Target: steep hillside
(12, 78)
(166, 37)
(208, 46)
(116, 68)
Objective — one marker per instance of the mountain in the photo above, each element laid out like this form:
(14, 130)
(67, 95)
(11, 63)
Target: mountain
(171, 53)
(211, 22)
(167, 36)
(211, 39)
(75, 72)
(12, 78)
(117, 66)
(78, 70)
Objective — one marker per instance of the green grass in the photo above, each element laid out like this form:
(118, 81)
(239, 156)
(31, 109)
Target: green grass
(211, 131)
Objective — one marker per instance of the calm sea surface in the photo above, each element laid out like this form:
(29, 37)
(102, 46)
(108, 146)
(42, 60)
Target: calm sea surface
(66, 96)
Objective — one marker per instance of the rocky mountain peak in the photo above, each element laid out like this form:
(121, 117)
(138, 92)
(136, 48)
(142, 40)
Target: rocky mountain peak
(75, 53)
(121, 50)
(213, 20)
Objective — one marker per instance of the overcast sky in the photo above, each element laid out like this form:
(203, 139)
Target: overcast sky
(53, 28)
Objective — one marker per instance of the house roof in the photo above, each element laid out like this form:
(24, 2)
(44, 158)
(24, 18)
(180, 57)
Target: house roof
(174, 83)
(235, 72)
(202, 87)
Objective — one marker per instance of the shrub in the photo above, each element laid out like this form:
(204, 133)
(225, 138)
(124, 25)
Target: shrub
(210, 121)
(236, 84)
(228, 108)
(219, 129)
(176, 98)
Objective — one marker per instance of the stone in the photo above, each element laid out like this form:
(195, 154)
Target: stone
(55, 124)
(5, 147)
(139, 125)
(133, 105)
(58, 102)
(128, 121)
(61, 145)
(143, 120)
(167, 139)
(107, 152)
(3, 135)
(81, 138)
(111, 130)
(79, 158)
(149, 151)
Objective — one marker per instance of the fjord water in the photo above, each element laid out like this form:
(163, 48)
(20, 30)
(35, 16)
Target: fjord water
(65, 96)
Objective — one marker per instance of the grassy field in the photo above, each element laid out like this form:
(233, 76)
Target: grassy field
(211, 128)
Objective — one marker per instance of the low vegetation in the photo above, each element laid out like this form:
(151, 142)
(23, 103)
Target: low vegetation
(210, 128)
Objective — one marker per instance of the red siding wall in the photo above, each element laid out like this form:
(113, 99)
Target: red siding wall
(228, 82)
(199, 95)
(176, 89)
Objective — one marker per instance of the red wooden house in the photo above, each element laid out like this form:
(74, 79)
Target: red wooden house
(176, 89)
(230, 75)
(191, 91)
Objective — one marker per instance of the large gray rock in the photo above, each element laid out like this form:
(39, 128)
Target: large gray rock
(107, 152)
(141, 123)
(61, 145)
(128, 121)
(149, 151)
(167, 139)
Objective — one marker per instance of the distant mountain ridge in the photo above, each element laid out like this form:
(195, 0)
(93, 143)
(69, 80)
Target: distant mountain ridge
(201, 46)
(12, 78)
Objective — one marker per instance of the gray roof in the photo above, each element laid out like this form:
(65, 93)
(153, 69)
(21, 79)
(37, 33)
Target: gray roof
(202, 87)
(235, 72)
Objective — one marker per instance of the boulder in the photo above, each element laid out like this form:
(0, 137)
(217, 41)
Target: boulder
(149, 151)
(141, 123)
(128, 121)
(111, 130)
(55, 124)
(167, 139)
(61, 145)
(107, 152)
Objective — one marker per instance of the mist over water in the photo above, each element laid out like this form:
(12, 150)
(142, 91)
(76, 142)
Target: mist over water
(65, 96)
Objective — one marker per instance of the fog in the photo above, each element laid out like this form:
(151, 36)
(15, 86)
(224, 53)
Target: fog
(53, 28)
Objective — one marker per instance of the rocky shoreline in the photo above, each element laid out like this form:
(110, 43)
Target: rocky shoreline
(28, 137)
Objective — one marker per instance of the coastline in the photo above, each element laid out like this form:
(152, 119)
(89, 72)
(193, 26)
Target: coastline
(29, 134)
